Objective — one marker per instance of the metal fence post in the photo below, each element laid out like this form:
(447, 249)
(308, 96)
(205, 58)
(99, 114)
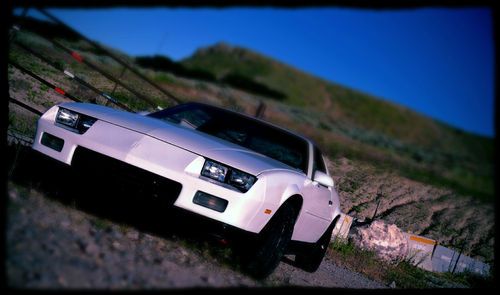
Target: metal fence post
(458, 258)
(260, 110)
(376, 208)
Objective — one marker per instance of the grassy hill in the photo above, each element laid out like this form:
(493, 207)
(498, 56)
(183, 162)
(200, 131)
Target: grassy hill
(343, 121)
(418, 146)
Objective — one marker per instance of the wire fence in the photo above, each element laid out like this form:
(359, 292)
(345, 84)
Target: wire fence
(80, 59)
(113, 56)
(72, 76)
(18, 136)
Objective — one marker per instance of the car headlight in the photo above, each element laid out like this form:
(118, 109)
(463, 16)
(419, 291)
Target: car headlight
(214, 170)
(228, 175)
(74, 121)
(67, 117)
(241, 180)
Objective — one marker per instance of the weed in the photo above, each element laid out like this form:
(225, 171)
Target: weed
(31, 95)
(470, 279)
(324, 126)
(407, 275)
(59, 65)
(161, 77)
(44, 88)
(357, 208)
(345, 248)
(363, 261)
(131, 101)
(100, 224)
(13, 207)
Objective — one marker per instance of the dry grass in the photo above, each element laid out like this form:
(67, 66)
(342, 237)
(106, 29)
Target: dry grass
(347, 255)
(403, 274)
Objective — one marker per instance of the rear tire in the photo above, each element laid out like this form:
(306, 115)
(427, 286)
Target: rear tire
(268, 249)
(310, 259)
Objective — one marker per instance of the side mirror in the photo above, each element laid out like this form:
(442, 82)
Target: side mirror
(323, 179)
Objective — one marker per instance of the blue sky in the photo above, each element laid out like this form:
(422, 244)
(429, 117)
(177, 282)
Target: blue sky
(437, 61)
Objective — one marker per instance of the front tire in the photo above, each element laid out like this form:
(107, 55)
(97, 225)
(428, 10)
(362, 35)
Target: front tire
(310, 259)
(268, 249)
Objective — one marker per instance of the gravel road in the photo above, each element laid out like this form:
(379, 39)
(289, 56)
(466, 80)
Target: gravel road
(56, 242)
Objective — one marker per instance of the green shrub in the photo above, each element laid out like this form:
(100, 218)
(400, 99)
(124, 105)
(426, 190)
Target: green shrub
(163, 63)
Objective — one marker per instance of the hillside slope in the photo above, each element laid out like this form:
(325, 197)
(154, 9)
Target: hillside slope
(459, 158)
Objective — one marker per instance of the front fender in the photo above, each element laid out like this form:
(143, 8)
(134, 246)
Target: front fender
(291, 190)
(280, 186)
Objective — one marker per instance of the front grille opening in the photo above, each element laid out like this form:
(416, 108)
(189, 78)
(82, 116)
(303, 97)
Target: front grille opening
(121, 179)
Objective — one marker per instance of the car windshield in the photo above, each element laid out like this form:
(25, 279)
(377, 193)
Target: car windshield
(251, 134)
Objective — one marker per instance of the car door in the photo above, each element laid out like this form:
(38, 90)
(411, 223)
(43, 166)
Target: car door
(319, 196)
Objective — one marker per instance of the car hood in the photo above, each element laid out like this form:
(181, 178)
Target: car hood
(194, 141)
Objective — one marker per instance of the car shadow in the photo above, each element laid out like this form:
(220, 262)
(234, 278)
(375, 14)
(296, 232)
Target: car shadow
(98, 197)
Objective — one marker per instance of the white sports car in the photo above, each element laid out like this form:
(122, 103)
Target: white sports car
(237, 170)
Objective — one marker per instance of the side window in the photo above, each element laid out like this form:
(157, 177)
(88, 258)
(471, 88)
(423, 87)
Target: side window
(319, 164)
